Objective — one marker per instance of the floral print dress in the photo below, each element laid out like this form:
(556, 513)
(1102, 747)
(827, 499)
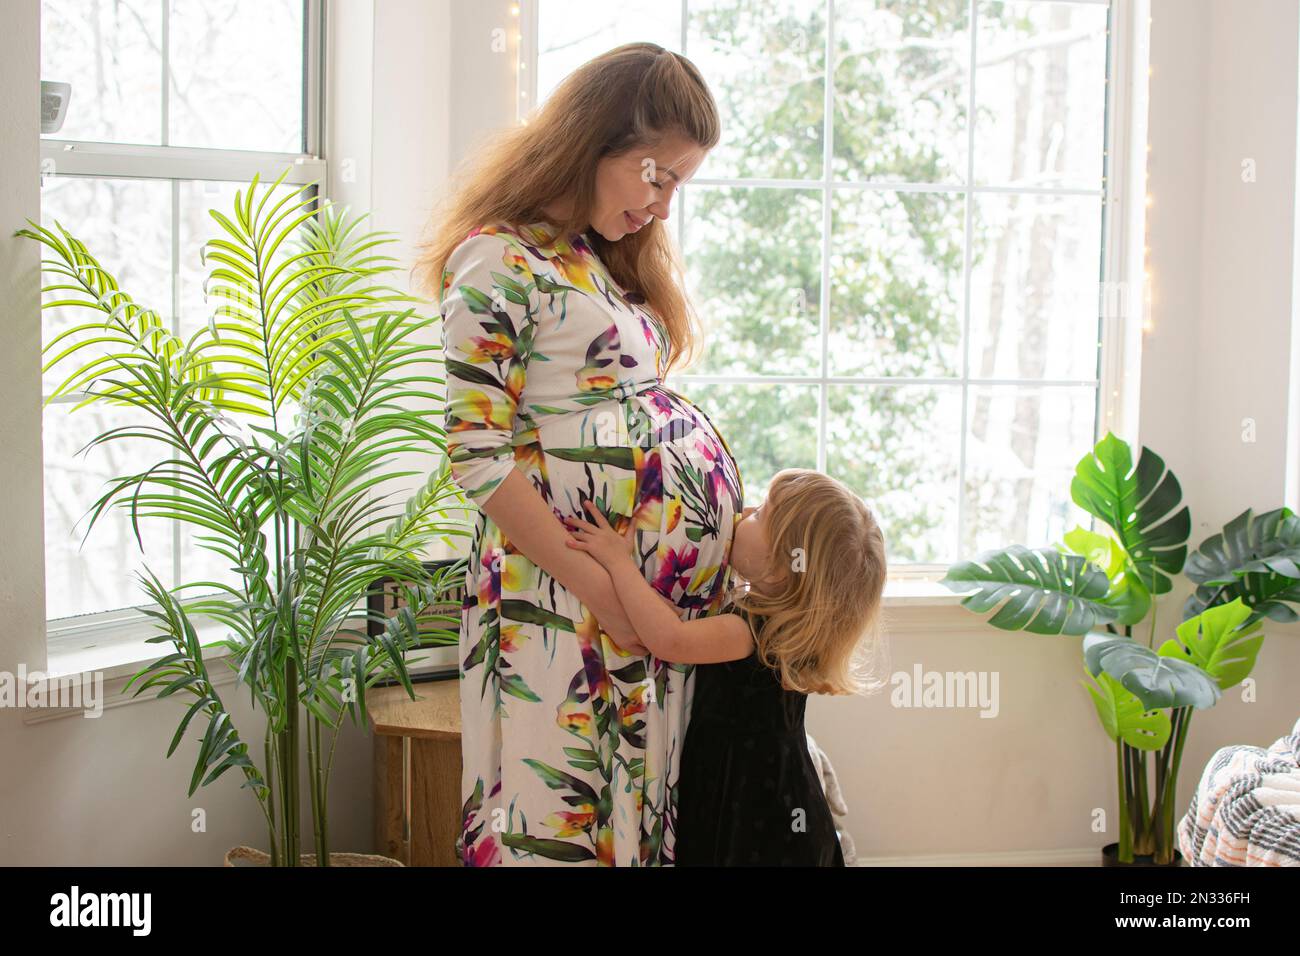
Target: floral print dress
(571, 746)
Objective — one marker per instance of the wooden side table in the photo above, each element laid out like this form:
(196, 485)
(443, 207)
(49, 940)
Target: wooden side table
(417, 772)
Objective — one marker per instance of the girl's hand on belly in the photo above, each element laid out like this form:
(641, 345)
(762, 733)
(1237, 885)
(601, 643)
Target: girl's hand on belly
(600, 540)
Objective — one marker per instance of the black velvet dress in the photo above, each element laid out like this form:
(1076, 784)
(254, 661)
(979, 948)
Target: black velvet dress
(746, 773)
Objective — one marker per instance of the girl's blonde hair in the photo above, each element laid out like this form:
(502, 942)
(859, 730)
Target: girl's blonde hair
(822, 627)
(623, 100)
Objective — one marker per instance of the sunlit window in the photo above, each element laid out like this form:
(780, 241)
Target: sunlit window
(905, 297)
(160, 89)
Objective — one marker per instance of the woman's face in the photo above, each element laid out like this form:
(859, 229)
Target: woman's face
(640, 184)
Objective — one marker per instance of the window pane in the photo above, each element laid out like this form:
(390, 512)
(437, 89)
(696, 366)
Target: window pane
(765, 61)
(99, 575)
(1040, 93)
(111, 53)
(197, 226)
(901, 90)
(130, 234)
(904, 85)
(237, 74)
(1035, 270)
(898, 447)
(767, 427)
(896, 283)
(1021, 452)
(126, 225)
(235, 71)
(571, 32)
(754, 260)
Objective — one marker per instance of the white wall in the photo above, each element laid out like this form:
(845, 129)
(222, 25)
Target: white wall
(22, 589)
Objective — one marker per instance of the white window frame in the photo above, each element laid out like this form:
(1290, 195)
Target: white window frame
(129, 627)
(1123, 193)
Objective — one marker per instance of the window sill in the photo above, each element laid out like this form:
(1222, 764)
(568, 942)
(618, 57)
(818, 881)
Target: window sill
(919, 592)
(102, 660)
(118, 650)
(121, 652)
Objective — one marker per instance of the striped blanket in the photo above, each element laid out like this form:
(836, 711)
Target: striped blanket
(1246, 809)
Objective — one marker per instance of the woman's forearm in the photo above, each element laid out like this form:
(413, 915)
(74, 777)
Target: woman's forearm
(529, 525)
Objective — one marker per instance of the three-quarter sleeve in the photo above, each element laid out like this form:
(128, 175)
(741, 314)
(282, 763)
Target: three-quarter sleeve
(487, 327)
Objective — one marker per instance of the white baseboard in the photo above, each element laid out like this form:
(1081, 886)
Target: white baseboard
(1087, 856)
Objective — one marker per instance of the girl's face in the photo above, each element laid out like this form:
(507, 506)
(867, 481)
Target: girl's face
(639, 185)
(751, 552)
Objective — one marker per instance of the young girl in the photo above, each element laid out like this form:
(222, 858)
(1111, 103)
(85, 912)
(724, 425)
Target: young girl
(811, 560)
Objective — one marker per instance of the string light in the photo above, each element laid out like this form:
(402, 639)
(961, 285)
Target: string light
(1148, 298)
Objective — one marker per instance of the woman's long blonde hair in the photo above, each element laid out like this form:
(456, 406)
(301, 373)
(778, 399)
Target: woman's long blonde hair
(821, 627)
(625, 99)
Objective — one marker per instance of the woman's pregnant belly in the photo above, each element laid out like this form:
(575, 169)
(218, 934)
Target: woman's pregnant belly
(655, 458)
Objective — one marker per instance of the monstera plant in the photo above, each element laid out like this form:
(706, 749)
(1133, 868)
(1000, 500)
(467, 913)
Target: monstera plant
(274, 422)
(1103, 585)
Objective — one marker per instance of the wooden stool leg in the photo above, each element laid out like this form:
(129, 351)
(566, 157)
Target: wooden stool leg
(417, 812)
(388, 797)
(435, 792)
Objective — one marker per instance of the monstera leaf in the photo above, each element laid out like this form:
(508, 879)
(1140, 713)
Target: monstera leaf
(1256, 559)
(1046, 592)
(1127, 595)
(1155, 680)
(1136, 503)
(1122, 715)
(1223, 641)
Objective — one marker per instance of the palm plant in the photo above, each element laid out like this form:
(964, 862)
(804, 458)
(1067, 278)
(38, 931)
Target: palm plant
(1144, 695)
(275, 422)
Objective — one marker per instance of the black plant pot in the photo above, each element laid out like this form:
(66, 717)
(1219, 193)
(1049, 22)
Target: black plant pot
(1110, 857)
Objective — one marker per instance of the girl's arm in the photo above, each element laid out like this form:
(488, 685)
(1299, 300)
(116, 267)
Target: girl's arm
(706, 640)
(528, 523)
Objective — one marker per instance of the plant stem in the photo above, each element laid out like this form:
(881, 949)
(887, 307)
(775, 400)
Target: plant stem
(314, 770)
(1162, 780)
(1130, 791)
(1125, 833)
(282, 759)
(1151, 641)
(1165, 847)
(329, 765)
(291, 732)
(1142, 843)
(269, 752)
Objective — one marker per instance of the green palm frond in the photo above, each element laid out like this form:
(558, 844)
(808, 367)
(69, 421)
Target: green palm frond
(333, 239)
(185, 670)
(276, 421)
(269, 273)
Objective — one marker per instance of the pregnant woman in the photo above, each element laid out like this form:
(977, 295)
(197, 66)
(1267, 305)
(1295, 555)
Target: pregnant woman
(562, 313)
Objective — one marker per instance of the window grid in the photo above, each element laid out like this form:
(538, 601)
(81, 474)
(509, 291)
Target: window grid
(178, 165)
(827, 186)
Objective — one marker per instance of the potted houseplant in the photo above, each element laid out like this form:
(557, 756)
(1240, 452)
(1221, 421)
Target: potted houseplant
(1103, 585)
(274, 421)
